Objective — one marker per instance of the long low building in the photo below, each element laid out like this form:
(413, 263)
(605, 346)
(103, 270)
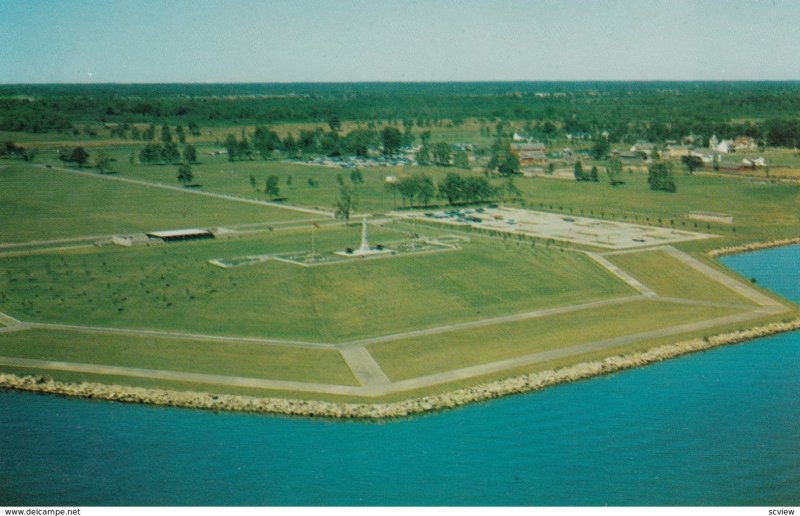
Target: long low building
(181, 234)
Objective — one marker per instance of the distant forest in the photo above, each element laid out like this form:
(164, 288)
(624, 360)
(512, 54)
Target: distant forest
(627, 111)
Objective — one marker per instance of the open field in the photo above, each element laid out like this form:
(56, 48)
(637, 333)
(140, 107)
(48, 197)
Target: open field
(173, 287)
(669, 277)
(40, 204)
(162, 316)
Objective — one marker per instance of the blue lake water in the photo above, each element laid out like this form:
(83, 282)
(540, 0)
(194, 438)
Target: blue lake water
(714, 428)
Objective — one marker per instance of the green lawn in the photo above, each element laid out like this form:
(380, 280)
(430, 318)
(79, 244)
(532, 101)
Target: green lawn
(177, 354)
(40, 203)
(173, 287)
(409, 358)
(217, 174)
(670, 277)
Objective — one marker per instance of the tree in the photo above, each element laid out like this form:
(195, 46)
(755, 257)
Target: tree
(461, 159)
(79, 156)
(452, 188)
(425, 137)
(356, 177)
(102, 162)
(441, 154)
(185, 175)
(692, 163)
(331, 144)
(391, 139)
(334, 123)
(579, 171)
(659, 177)
(359, 141)
(593, 174)
(614, 171)
(170, 153)
(243, 148)
(181, 134)
(408, 138)
(346, 202)
(509, 165)
(551, 168)
(231, 147)
(253, 183)
(416, 188)
(166, 135)
(271, 186)
(425, 190)
(510, 190)
(190, 154)
(601, 149)
(423, 156)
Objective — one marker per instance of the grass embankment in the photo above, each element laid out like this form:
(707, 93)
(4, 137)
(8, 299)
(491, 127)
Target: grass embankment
(41, 203)
(254, 360)
(413, 357)
(668, 276)
(172, 287)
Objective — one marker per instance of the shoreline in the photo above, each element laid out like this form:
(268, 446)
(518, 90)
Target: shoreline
(753, 246)
(394, 410)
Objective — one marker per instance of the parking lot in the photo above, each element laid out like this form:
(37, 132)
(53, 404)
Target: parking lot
(568, 228)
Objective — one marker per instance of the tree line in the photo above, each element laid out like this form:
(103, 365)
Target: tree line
(627, 111)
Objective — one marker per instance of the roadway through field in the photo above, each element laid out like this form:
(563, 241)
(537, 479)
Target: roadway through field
(373, 380)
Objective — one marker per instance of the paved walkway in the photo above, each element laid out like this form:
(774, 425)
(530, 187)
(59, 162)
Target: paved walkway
(737, 286)
(624, 276)
(177, 335)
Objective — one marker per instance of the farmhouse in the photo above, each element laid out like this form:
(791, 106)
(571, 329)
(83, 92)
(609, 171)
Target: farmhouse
(529, 153)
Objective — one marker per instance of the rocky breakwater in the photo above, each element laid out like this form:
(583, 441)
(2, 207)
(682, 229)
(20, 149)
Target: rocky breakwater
(753, 246)
(483, 392)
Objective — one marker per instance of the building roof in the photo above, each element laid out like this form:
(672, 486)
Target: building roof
(528, 146)
(180, 233)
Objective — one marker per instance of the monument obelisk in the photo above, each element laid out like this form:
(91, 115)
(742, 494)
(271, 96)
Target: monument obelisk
(364, 243)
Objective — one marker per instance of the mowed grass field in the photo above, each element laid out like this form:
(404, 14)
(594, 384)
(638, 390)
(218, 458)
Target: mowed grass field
(172, 287)
(409, 358)
(266, 361)
(761, 210)
(217, 174)
(39, 203)
(668, 276)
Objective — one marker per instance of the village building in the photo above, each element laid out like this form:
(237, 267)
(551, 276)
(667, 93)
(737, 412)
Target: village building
(745, 143)
(529, 153)
(673, 151)
(644, 147)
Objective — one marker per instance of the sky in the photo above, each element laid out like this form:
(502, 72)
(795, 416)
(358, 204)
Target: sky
(145, 41)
